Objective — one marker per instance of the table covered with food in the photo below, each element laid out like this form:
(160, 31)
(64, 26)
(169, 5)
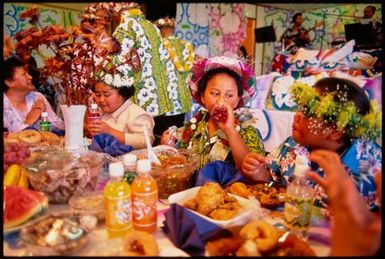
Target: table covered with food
(54, 205)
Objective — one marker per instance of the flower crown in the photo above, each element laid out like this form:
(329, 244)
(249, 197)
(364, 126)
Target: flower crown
(342, 112)
(113, 7)
(165, 22)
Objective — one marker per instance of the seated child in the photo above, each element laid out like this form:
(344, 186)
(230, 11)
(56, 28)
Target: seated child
(335, 115)
(227, 83)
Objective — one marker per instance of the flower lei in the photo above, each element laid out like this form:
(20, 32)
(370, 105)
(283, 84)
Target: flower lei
(188, 58)
(343, 112)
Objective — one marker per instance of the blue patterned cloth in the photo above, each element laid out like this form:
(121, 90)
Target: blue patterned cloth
(107, 143)
(361, 159)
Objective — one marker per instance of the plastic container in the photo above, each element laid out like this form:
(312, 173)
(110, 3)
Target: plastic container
(117, 200)
(129, 162)
(144, 198)
(45, 124)
(94, 112)
(91, 203)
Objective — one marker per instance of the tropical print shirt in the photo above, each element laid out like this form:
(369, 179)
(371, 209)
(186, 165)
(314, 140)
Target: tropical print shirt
(195, 136)
(361, 159)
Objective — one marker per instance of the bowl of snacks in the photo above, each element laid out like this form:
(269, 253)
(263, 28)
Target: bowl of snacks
(58, 234)
(61, 174)
(89, 202)
(176, 170)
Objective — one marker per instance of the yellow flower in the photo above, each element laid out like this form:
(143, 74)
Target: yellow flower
(134, 12)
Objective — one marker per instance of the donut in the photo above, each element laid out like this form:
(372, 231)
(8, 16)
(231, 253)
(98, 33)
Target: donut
(140, 243)
(49, 137)
(11, 138)
(29, 136)
(264, 234)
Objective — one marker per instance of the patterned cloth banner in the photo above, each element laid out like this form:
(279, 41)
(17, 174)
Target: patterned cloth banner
(192, 24)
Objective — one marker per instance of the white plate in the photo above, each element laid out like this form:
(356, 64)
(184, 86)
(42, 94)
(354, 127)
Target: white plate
(248, 207)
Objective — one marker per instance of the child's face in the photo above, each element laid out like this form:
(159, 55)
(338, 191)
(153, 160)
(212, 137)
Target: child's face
(220, 88)
(108, 98)
(311, 132)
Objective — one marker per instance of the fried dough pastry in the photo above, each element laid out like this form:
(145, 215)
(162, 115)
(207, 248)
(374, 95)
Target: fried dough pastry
(222, 214)
(263, 233)
(240, 189)
(209, 196)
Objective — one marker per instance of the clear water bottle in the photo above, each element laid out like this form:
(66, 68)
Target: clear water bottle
(117, 199)
(299, 199)
(144, 198)
(129, 162)
(45, 124)
(94, 112)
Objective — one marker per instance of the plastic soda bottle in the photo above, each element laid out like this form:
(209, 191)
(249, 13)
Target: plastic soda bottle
(45, 124)
(93, 112)
(117, 199)
(144, 198)
(129, 161)
(299, 199)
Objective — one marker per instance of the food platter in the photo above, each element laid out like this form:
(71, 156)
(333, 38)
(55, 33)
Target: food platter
(31, 221)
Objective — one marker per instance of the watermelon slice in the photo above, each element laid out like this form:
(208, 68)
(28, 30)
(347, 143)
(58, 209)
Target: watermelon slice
(21, 204)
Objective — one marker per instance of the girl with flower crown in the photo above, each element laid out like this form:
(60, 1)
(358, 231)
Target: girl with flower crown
(336, 115)
(227, 84)
(120, 118)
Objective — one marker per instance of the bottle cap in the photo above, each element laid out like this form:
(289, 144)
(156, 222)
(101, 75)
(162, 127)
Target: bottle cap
(44, 114)
(116, 169)
(144, 165)
(301, 165)
(94, 106)
(129, 159)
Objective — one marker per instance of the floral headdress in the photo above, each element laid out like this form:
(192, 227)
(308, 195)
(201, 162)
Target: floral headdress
(243, 70)
(115, 9)
(165, 22)
(343, 113)
(119, 70)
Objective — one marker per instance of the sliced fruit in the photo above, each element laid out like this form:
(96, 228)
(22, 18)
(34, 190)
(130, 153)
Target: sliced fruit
(12, 175)
(21, 204)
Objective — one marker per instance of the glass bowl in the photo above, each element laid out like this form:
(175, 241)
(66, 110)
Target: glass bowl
(61, 174)
(58, 234)
(176, 170)
(91, 203)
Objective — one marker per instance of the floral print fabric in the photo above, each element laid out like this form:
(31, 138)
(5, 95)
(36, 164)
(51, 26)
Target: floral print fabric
(361, 159)
(227, 29)
(181, 53)
(195, 136)
(155, 89)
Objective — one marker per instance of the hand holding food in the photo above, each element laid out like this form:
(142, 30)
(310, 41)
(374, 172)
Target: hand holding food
(220, 113)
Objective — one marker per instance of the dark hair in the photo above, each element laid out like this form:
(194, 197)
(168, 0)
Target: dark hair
(8, 67)
(244, 51)
(211, 73)
(295, 17)
(345, 87)
(372, 7)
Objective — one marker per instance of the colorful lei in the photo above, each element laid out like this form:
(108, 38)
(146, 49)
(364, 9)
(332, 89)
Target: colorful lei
(343, 113)
(188, 55)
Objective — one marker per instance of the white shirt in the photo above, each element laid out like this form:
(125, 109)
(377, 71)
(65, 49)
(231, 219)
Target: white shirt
(130, 119)
(14, 119)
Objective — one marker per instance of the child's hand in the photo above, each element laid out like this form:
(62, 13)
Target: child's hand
(229, 123)
(252, 163)
(98, 126)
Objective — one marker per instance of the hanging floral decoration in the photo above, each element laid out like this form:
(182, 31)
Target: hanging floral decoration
(188, 55)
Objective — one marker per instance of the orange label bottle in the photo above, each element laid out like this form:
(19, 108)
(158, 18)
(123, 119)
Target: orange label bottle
(144, 198)
(117, 201)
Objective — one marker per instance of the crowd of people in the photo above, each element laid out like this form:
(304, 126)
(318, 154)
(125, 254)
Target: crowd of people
(341, 143)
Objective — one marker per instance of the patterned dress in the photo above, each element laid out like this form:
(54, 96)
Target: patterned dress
(156, 82)
(195, 136)
(361, 159)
